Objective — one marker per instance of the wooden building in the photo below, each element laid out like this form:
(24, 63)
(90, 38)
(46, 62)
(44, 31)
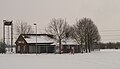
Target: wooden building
(26, 43)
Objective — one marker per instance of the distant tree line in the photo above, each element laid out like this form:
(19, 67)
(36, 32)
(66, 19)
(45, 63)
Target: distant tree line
(110, 45)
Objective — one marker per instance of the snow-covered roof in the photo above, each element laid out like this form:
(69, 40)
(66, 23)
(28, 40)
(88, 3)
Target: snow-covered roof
(45, 38)
(67, 42)
(40, 39)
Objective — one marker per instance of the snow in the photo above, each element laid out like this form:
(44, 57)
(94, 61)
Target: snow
(67, 42)
(104, 59)
(46, 39)
(40, 39)
(70, 42)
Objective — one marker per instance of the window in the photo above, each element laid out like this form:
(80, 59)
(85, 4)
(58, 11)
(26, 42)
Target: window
(18, 48)
(32, 49)
(21, 42)
(24, 48)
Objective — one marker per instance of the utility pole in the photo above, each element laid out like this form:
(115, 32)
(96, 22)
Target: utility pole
(36, 36)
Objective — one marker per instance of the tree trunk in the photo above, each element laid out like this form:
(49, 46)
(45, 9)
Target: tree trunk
(81, 45)
(86, 44)
(89, 44)
(59, 46)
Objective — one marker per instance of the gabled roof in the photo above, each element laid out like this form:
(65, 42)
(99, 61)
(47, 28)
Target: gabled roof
(46, 39)
(49, 35)
(68, 41)
(41, 38)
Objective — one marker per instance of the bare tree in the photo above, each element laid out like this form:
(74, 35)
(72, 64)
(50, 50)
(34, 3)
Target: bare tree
(23, 28)
(58, 28)
(86, 32)
(91, 33)
(78, 34)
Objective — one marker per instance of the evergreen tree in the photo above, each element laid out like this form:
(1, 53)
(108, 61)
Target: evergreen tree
(2, 47)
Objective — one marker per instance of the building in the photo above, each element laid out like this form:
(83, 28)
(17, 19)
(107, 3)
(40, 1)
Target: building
(26, 43)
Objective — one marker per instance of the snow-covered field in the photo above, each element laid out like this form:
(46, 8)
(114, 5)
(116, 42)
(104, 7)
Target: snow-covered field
(104, 59)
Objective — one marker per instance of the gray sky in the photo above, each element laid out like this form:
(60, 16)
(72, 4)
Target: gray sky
(104, 13)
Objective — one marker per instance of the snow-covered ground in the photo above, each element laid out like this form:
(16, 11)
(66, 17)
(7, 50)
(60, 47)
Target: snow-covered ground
(104, 59)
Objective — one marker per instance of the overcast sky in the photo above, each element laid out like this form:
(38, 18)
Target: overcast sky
(104, 13)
